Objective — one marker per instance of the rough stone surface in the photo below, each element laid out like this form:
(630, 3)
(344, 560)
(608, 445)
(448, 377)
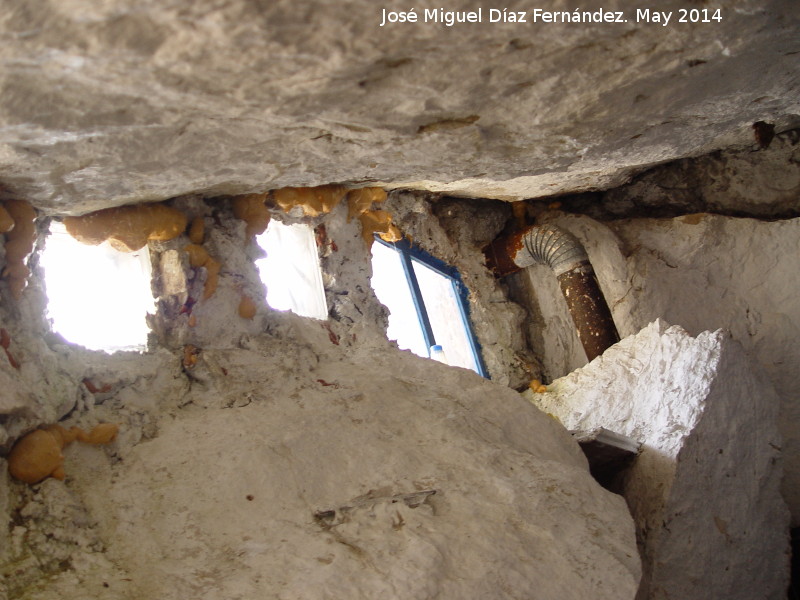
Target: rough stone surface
(705, 490)
(738, 274)
(225, 472)
(229, 496)
(124, 101)
(762, 182)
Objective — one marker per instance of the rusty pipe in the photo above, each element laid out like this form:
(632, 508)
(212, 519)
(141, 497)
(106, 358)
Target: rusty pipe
(566, 256)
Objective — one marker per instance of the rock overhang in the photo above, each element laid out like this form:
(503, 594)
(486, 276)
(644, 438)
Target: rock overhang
(130, 102)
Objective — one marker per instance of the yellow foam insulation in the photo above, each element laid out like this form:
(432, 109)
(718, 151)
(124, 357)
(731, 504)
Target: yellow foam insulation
(199, 257)
(251, 209)
(127, 228)
(361, 200)
(19, 243)
(5, 343)
(6, 222)
(537, 387)
(520, 211)
(247, 308)
(380, 222)
(314, 201)
(37, 455)
(197, 230)
(190, 355)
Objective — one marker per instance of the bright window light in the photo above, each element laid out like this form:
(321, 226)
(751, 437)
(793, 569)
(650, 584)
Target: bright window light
(391, 288)
(291, 271)
(97, 296)
(426, 302)
(441, 304)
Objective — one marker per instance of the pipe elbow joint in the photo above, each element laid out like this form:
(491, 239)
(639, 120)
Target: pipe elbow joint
(567, 258)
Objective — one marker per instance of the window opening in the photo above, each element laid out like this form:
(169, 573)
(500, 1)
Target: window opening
(427, 302)
(392, 288)
(97, 296)
(291, 271)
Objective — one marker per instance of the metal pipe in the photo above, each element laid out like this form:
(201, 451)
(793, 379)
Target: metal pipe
(565, 255)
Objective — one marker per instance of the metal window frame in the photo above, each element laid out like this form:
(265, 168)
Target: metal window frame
(409, 252)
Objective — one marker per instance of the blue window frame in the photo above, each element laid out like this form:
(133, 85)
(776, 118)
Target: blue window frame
(440, 301)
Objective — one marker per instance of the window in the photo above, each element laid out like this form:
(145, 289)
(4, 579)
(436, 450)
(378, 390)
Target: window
(97, 296)
(427, 303)
(291, 271)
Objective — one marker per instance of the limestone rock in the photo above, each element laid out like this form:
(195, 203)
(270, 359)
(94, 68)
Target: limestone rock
(124, 101)
(380, 474)
(758, 183)
(705, 491)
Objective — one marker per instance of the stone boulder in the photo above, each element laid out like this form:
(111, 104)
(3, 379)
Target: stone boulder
(705, 490)
(289, 472)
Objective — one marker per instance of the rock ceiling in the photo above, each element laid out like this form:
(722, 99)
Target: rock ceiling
(121, 101)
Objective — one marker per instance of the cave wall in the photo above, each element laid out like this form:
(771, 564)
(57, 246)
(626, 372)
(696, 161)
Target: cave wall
(124, 102)
(271, 452)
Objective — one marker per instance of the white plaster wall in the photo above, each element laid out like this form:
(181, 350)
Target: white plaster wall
(740, 274)
(700, 272)
(705, 491)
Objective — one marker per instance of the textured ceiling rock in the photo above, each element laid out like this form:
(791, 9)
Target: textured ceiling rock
(763, 183)
(124, 101)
